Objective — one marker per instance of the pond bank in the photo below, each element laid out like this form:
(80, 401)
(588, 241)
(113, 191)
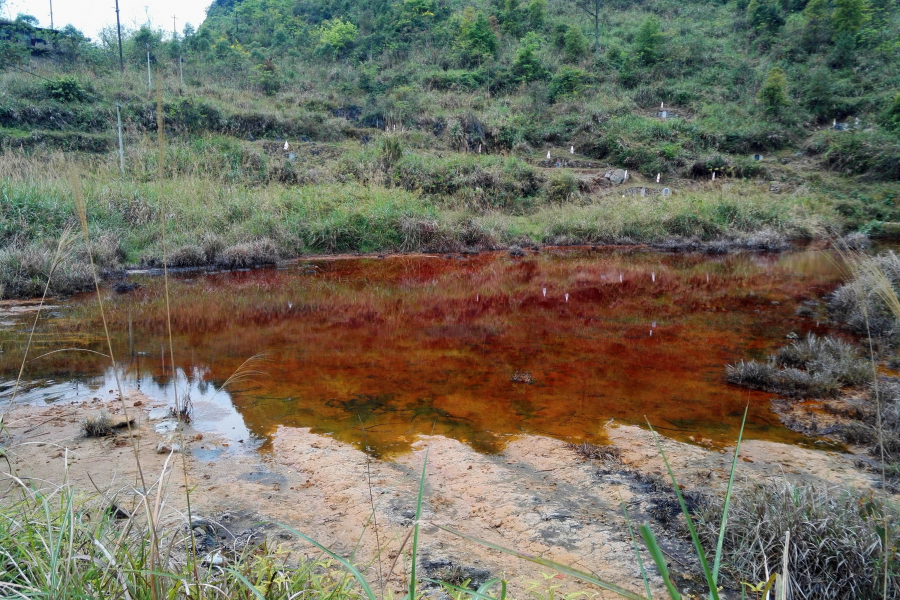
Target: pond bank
(537, 495)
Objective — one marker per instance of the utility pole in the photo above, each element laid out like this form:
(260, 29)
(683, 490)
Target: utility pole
(51, 14)
(119, 29)
(149, 76)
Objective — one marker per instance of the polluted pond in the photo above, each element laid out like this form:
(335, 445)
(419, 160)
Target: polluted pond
(476, 348)
(528, 376)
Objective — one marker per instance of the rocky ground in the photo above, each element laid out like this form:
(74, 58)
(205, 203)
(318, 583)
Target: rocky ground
(538, 496)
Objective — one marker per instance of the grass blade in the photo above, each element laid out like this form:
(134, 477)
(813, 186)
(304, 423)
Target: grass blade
(717, 561)
(636, 551)
(701, 554)
(660, 560)
(586, 577)
(250, 586)
(415, 540)
(353, 570)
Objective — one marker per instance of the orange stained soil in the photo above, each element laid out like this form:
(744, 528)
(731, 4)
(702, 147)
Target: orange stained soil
(477, 348)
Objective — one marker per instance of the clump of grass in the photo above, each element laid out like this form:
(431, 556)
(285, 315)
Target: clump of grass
(249, 254)
(836, 541)
(594, 451)
(97, 425)
(25, 271)
(54, 542)
(864, 304)
(189, 255)
(815, 367)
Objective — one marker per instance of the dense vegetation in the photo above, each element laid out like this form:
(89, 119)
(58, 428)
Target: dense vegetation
(457, 103)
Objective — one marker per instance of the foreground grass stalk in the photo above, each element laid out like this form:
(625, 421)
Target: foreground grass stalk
(81, 209)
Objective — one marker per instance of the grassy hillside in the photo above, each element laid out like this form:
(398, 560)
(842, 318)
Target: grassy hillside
(426, 124)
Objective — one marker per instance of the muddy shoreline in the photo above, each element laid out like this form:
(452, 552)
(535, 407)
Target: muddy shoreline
(536, 495)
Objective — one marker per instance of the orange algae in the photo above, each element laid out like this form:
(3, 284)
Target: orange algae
(475, 347)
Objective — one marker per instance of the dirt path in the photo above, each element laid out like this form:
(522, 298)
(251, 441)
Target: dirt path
(537, 496)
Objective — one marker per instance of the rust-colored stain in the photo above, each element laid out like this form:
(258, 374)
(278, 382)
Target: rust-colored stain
(376, 351)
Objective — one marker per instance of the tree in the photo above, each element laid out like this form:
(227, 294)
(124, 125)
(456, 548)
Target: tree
(892, 116)
(537, 14)
(335, 36)
(849, 16)
(773, 93)
(527, 65)
(764, 15)
(575, 45)
(592, 8)
(475, 40)
(649, 40)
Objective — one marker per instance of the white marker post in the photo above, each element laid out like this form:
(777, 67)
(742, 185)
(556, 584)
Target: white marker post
(548, 155)
(572, 150)
(657, 177)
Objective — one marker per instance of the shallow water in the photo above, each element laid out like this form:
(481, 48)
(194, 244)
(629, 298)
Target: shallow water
(375, 351)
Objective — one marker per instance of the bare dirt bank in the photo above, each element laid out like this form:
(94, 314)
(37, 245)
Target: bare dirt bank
(537, 495)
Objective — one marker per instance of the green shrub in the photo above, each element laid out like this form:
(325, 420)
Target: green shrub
(575, 44)
(568, 81)
(892, 115)
(773, 93)
(527, 64)
(66, 88)
(649, 40)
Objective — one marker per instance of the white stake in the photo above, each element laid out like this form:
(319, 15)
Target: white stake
(286, 146)
(548, 155)
(626, 175)
(714, 176)
(620, 278)
(545, 292)
(572, 148)
(657, 177)
(660, 106)
(567, 297)
(653, 276)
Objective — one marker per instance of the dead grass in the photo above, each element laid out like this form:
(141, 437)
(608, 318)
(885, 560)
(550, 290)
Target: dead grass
(815, 367)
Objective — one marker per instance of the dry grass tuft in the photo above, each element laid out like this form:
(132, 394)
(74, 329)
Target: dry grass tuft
(594, 451)
(97, 425)
(835, 545)
(249, 254)
(815, 367)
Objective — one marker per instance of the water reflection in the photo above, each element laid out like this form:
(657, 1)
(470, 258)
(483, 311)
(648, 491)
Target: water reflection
(376, 351)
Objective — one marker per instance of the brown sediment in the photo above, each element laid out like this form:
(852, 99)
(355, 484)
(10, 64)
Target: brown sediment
(413, 345)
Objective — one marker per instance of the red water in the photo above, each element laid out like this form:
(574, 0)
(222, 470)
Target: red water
(407, 345)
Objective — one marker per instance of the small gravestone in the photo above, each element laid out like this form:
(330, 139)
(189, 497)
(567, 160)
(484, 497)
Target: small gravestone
(666, 191)
(643, 192)
(757, 157)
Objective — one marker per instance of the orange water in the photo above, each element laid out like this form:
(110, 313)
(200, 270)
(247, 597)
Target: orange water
(375, 351)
